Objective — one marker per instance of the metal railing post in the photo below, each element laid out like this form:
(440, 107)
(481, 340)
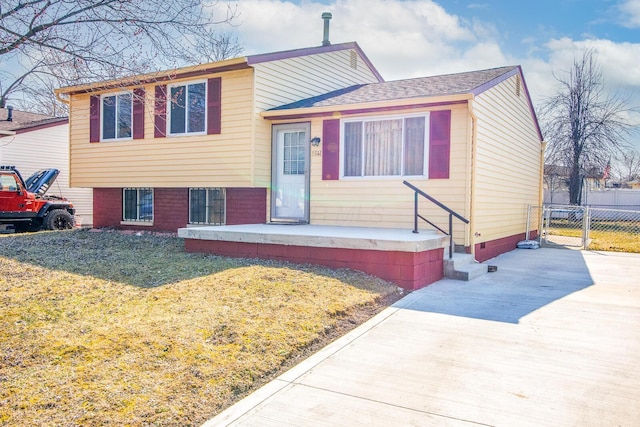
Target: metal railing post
(450, 235)
(416, 215)
(415, 212)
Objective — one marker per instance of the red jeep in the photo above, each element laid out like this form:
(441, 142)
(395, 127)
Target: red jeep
(24, 206)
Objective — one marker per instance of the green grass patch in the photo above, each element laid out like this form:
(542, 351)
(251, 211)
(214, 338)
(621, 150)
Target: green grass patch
(102, 328)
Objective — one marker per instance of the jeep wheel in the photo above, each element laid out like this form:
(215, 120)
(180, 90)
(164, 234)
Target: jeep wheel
(59, 219)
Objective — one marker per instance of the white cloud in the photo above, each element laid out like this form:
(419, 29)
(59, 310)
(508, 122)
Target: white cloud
(630, 11)
(402, 38)
(618, 61)
(416, 38)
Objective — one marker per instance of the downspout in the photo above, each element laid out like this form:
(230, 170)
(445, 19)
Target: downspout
(64, 101)
(472, 185)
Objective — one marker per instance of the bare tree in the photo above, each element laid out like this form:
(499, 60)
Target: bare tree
(627, 166)
(584, 126)
(70, 42)
(216, 46)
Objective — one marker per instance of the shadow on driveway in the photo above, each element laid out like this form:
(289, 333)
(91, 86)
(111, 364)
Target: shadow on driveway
(526, 280)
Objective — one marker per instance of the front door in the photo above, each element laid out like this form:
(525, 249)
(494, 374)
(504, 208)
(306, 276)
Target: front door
(290, 173)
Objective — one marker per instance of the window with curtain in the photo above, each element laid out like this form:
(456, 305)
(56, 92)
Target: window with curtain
(384, 147)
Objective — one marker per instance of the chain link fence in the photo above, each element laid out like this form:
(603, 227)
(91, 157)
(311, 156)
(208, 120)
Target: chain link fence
(586, 228)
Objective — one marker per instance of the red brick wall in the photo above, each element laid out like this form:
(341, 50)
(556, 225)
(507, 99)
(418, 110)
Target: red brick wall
(496, 247)
(171, 208)
(107, 207)
(246, 206)
(410, 270)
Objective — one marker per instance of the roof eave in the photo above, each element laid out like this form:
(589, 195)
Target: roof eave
(141, 79)
(359, 108)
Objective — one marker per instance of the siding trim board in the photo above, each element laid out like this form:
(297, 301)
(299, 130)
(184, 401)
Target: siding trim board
(108, 86)
(353, 111)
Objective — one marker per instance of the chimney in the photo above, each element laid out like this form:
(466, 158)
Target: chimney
(9, 113)
(325, 38)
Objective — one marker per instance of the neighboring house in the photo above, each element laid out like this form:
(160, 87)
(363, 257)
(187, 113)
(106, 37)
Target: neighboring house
(310, 136)
(32, 142)
(634, 185)
(556, 182)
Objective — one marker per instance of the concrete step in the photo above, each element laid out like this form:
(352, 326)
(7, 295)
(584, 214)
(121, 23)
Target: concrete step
(463, 267)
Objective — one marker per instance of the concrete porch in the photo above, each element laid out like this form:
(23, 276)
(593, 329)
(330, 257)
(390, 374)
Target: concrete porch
(410, 260)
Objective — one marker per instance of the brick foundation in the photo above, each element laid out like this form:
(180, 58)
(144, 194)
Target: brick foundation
(171, 208)
(493, 248)
(409, 270)
(246, 206)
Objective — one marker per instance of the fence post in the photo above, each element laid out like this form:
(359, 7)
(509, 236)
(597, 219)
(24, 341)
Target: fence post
(585, 227)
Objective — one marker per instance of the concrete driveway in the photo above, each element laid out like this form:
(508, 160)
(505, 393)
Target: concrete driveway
(550, 339)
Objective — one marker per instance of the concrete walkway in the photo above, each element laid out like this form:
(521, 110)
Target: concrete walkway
(550, 339)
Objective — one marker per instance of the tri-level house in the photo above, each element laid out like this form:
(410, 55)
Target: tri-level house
(316, 142)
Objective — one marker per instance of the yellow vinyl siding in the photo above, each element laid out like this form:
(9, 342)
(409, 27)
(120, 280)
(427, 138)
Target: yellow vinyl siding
(224, 160)
(387, 202)
(288, 80)
(508, 162)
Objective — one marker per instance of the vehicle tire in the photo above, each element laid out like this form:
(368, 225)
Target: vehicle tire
(58, 219)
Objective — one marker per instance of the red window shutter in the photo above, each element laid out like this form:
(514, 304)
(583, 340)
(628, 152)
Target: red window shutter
(439, 144)
(214, 110)
(160, 113)
(138, 113)
(94, 118)
(331, 149)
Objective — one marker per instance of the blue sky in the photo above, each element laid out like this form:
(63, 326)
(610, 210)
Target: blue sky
(415, 38)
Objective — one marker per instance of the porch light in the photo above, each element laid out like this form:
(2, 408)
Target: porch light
(315, 141)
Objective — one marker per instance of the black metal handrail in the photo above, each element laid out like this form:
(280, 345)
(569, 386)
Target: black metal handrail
(416, 192)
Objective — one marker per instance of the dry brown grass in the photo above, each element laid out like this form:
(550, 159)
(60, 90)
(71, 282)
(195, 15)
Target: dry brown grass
(114, 329)
(605, 240)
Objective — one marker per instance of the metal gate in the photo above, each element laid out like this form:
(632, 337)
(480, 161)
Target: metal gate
(565, 226)
(584, 226)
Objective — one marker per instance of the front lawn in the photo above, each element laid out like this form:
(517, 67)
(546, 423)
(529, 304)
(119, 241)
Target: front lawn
(106, 328)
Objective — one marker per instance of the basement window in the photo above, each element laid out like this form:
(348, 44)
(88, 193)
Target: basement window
(207, 206)
(137, 205)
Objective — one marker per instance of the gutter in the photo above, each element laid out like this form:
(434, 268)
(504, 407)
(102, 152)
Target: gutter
(7, 132)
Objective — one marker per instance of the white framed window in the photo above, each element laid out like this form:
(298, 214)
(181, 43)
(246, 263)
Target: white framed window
(137, 205)
(385, 146)
(207, 206)
(187, 108)
(117, 114)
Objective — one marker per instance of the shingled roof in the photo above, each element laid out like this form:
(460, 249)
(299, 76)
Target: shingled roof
(22, 120)
(473, 82)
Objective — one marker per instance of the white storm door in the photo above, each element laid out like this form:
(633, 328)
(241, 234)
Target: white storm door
(290, 173)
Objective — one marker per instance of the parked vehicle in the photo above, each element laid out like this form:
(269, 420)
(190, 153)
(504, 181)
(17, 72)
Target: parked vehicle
(24, 205)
